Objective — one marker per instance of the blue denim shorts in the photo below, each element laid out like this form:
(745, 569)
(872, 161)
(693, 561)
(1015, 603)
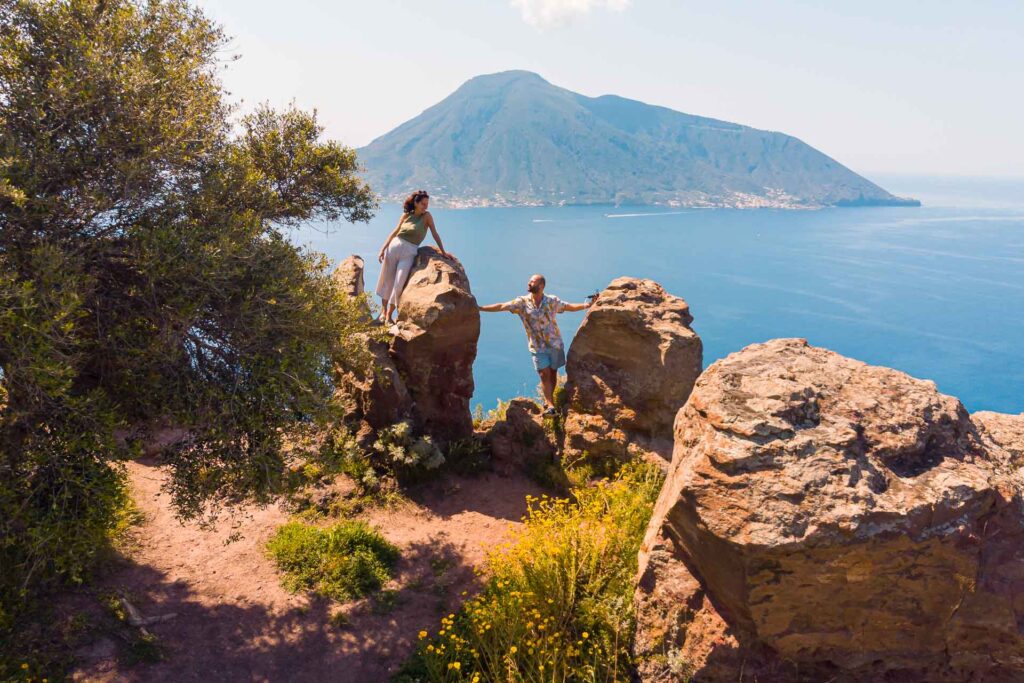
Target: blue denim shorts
(553, 358)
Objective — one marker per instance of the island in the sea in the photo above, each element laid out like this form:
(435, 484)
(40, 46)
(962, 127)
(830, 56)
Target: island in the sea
(514, 139)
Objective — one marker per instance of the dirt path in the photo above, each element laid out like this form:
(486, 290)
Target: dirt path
(234, 621)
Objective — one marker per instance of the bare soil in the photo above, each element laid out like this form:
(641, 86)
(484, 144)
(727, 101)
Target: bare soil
(234, 621)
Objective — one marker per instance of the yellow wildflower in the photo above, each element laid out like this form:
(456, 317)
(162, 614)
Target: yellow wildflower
(423, 634)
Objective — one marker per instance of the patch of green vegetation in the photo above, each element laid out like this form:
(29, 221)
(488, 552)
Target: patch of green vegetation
(467, 456)
(45, 640)
(140, 648)
(345, 561)
(496, 414)
(408, 456)
(385, 601)
(340, 620)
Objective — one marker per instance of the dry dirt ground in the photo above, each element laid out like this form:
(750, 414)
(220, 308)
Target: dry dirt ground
(234, 621)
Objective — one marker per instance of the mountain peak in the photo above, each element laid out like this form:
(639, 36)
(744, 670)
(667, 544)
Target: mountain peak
(506, 77)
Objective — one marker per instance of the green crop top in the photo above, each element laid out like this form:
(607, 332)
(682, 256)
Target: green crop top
(413, 229)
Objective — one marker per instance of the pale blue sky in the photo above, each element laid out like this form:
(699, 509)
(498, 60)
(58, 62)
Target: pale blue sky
(896, 86)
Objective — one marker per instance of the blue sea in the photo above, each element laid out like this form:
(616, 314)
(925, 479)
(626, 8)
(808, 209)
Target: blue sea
(935, 291)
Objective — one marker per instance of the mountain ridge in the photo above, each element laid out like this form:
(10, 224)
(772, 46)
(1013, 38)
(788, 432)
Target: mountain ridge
(513, 138)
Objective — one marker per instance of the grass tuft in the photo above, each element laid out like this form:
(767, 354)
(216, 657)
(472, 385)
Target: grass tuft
(345, 561)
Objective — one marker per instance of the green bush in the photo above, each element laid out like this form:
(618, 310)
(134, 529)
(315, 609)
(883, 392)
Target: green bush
(342, 562)
(558, 605)
(401, 453)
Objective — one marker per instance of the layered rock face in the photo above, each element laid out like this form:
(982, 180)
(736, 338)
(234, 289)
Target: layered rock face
(823, 518)
(435, 345)
(630, 367)
(376, 397)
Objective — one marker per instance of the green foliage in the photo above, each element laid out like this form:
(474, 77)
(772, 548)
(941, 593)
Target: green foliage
(342, 562)
(560, 397)
(145, 278)
(495, 414)
(409, 457)
(467, 456)
(558, 605)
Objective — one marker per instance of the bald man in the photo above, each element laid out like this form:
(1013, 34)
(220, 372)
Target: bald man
(537, 310)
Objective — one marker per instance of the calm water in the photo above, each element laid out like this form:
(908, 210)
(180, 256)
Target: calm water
(936, 291)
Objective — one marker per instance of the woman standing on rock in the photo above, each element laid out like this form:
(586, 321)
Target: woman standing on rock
(399, 251)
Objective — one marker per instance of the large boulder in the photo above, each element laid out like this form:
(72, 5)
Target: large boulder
(435, 344)
(826, 519)
(631, 366)
(371, 397)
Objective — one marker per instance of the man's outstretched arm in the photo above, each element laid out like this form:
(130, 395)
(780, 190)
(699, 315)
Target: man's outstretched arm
(575, 307)
(495, 308)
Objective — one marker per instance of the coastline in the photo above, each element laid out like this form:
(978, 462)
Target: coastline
(735, 201)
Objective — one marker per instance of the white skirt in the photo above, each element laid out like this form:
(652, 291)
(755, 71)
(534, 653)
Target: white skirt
(398, 260)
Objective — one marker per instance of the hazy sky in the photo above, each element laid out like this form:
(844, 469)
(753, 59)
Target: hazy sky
(903, 86)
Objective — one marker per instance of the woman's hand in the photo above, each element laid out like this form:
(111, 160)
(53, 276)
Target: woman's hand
(380, 256)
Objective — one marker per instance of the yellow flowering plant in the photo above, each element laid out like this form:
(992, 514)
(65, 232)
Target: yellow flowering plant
(558, 602)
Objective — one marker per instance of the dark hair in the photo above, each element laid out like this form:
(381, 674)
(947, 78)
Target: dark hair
(412, 200)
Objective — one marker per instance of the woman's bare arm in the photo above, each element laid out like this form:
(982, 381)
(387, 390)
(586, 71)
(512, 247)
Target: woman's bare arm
(437, 238)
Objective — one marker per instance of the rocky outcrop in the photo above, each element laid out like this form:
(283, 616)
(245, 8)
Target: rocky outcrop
(630, 368)
(435, 344)
(826, 519)
(371, 397)
(519, 440)
(1002, 434)
(349, 275)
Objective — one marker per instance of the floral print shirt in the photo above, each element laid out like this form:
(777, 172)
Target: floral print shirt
(541, 327)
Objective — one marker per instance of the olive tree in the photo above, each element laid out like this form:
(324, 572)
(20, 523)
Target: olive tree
(146, 278)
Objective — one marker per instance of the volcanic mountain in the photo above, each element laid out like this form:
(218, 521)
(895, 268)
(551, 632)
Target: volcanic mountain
(512, 138)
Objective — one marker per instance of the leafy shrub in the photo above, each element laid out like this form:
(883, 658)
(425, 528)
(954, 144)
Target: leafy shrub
(558, 604)
(342, 562)
(406, 455)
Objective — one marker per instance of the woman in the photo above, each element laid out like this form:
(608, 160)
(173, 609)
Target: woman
(399, 251)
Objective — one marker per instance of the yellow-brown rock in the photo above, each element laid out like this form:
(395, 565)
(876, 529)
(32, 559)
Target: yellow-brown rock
(630, 368)
(371, 397)
(843, 521)
(435, 344)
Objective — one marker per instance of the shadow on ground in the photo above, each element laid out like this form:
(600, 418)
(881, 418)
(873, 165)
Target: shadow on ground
(316, 640)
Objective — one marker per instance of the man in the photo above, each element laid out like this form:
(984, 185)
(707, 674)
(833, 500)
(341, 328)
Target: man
(537, 311)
